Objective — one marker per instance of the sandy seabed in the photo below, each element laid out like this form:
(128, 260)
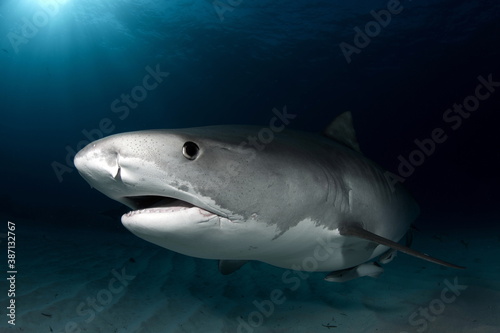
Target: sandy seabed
(90, 280)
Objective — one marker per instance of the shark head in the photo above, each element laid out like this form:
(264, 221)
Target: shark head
(199, 191)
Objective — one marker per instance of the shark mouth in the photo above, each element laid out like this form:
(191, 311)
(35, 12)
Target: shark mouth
(150, 204)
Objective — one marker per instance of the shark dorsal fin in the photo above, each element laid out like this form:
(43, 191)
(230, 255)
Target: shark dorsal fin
(341, 130)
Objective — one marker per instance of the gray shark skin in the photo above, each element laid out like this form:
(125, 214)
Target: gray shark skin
(207, 192)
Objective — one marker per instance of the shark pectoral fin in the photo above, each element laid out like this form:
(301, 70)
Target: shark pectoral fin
(371, 269)
(356, 230)
(230, 266)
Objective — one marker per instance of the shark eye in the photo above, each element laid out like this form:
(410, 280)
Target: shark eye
(190, 150)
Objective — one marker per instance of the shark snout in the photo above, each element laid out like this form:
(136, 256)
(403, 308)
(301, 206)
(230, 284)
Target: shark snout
(97, 163)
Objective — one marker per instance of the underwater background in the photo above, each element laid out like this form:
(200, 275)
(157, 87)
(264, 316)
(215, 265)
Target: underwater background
(73, 71)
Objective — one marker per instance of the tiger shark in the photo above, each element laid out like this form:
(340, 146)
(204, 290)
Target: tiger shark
(298, 201)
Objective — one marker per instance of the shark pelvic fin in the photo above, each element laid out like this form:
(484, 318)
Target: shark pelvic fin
(371, 269)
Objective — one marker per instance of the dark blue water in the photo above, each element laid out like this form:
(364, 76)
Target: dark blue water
(67, 68)
(421, 78)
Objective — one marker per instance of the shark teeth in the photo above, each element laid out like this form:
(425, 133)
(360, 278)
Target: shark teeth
(166, 206)
(157, 210)
(171, 206)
